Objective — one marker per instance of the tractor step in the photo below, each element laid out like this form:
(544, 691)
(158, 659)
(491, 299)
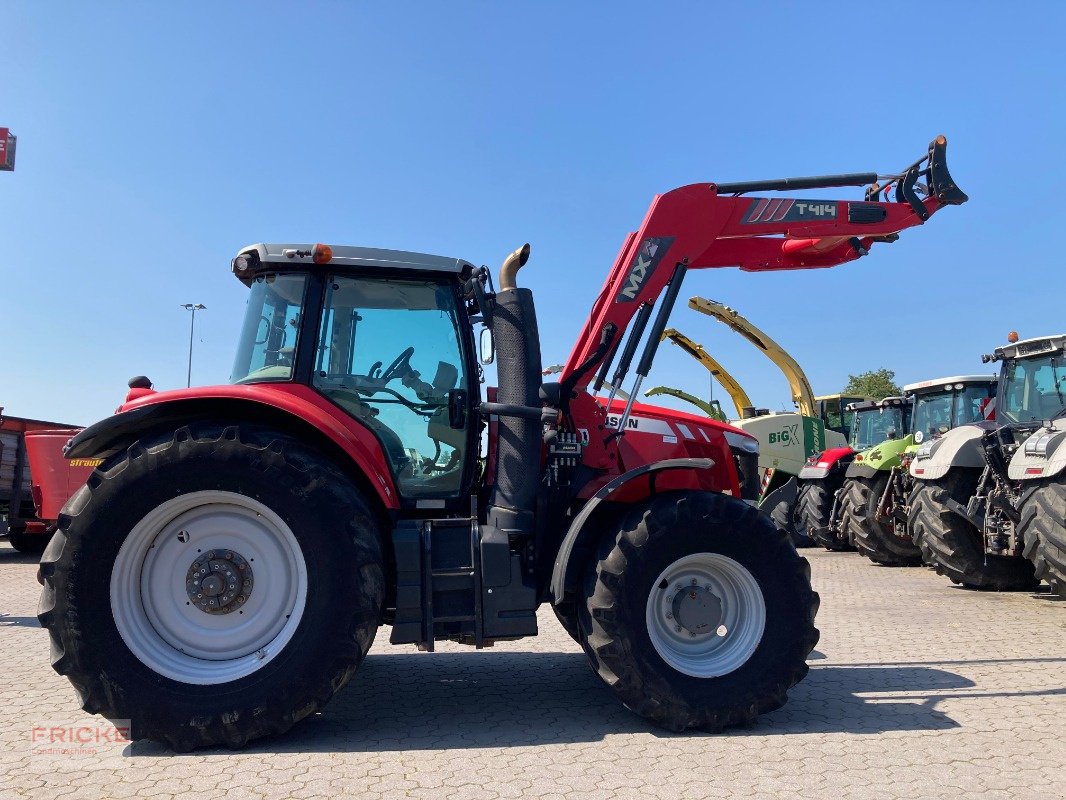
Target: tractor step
(440, 588)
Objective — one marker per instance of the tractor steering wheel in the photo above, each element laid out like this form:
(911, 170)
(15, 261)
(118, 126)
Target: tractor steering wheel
(400, 367)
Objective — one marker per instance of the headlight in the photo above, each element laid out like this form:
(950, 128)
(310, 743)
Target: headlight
(926, 450)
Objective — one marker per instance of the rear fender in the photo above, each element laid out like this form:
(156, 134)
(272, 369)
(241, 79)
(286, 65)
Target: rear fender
(959, 447)
(1042, 455)
(355, 450)
(583, 535)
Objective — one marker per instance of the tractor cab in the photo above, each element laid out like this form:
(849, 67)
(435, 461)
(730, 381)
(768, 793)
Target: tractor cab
(946, 403)
(1032, 386)
(876, 421)
(835, 413)
(384, 336)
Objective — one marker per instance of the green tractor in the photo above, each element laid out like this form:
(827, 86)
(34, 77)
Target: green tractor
(821, 480)
(873, 505)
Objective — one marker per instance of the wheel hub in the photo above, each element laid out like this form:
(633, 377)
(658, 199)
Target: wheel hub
(697, 609)
(705, 615)
(219, 581)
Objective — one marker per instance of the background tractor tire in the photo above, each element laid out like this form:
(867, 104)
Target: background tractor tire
(1043, 530)
(876, 539)
(954, 547)
(786, 516)
(733, 674)
(32, 543)
(325, 533)
(815, 502)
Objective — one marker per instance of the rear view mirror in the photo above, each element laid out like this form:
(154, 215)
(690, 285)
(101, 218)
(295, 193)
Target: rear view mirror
(488, 347)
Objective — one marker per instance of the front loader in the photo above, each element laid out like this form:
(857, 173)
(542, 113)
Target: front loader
(989, 505)
(225, 569)
(874, 501)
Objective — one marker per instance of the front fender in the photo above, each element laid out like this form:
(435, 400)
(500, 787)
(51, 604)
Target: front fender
(959, 447)
(827, 461)
(857, 469)
(566, 573)
(881, 458)
(290, 407)
(1042, 455)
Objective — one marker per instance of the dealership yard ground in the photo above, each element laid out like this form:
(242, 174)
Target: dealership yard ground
(917, 689)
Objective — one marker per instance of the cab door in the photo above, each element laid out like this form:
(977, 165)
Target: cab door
(394, 354)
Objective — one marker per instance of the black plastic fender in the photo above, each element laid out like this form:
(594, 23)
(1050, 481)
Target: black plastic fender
(786, 492)
(567, 571)
(859, 470)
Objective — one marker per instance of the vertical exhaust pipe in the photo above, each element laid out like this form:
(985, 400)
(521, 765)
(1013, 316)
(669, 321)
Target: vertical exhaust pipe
(518, 368)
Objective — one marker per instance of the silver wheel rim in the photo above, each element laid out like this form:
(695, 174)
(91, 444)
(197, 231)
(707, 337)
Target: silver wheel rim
(705, 615)
(155, 587)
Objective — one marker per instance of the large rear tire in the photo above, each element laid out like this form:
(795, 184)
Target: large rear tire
(953, 546)
(1043, 531)
(815, 502)
(875, 538)
(213, 585)
(699, 612)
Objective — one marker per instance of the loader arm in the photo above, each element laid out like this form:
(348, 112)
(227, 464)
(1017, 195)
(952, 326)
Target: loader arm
(708, 225)
(802, 394)
(721, 374)
(709, 407)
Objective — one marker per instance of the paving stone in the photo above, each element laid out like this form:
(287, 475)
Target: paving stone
(917, 689)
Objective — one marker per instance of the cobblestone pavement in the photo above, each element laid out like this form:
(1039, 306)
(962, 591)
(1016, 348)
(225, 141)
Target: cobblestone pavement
(917, 690)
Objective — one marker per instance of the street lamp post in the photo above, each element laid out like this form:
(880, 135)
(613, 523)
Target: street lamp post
(193, 307)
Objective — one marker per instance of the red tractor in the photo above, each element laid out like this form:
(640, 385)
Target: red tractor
(225, 569)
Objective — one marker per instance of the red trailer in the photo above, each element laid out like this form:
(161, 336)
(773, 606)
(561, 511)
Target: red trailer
(25, 444)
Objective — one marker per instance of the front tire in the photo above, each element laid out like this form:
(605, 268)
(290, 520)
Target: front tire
(954, 547)
(815, 503)
(785, 514)
(747, 621)
(1043, 530)
(876, 538)
(213, 585)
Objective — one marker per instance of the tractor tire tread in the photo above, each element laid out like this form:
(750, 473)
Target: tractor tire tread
(952, 546)
(875, 539)
(1043, 531)
(296, 467)
(617, 655)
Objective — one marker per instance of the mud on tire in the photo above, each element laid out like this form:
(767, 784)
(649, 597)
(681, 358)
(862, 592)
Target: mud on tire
(1043, 531)
(954, 547)
(652, 538)
(876, 539)
(338, 542)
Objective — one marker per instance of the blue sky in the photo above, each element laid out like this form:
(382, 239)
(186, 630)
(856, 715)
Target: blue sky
(157, 139)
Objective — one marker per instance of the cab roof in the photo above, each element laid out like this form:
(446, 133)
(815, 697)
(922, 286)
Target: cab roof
(1037, 346)
(272, 257)
(943, 383)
